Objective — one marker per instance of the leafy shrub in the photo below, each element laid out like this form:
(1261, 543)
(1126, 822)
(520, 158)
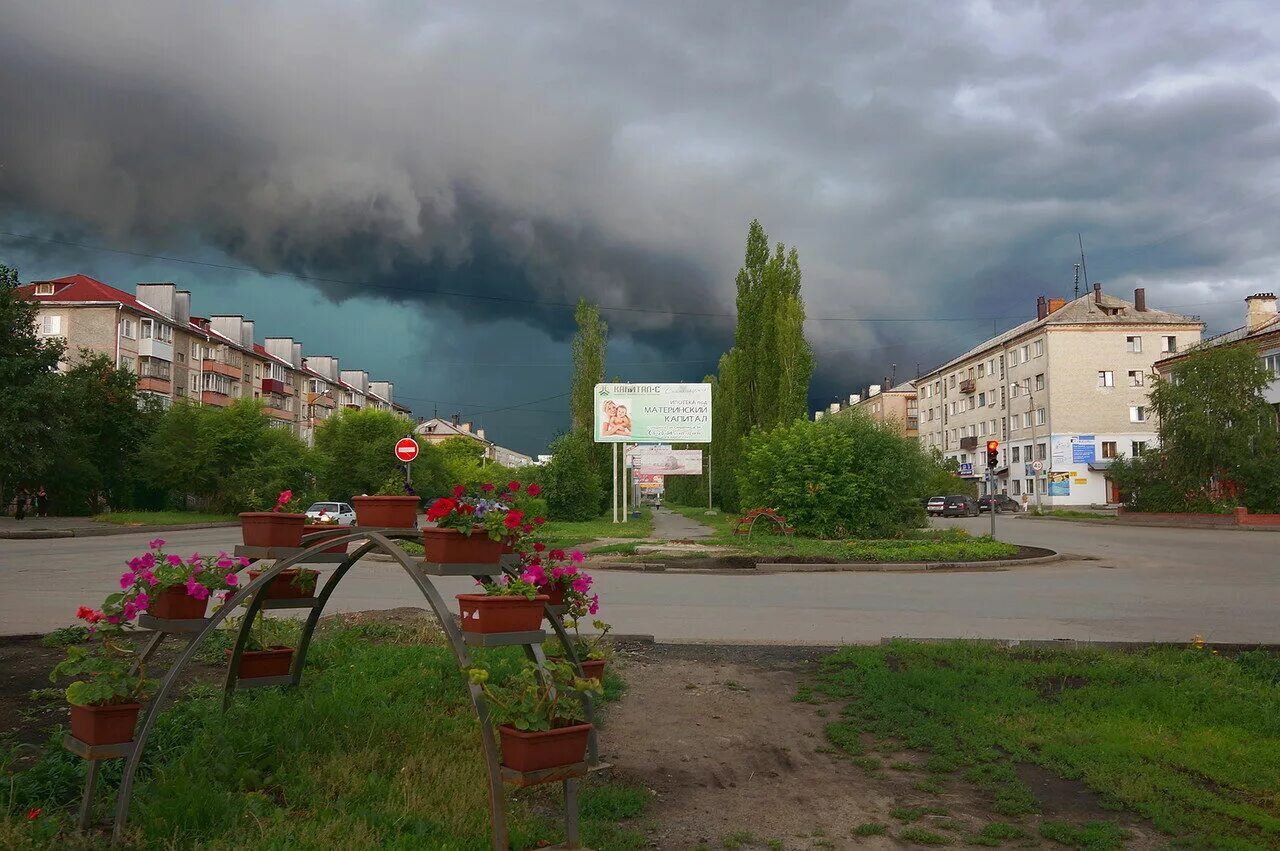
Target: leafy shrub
(836, 477)
(573, 490)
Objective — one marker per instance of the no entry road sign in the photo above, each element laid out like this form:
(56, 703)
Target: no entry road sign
(406, 449)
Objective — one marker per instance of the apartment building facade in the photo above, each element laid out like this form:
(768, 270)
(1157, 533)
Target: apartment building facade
(210, 360)
(1065, 394)
(1261, 329)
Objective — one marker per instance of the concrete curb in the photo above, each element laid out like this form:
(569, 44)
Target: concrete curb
(764, 569)
(1122, 524)
(1087, 644)
(106, 530)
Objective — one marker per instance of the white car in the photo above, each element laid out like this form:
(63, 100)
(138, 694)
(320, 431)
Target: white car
(344, 514)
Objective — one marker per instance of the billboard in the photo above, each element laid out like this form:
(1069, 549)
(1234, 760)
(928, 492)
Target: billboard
(1060, 484)
(665, 460)
(650, 482)
(652, 413)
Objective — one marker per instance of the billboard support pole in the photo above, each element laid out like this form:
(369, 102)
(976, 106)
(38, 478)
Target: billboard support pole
(708, 478)
(624, 483)
(614, 478)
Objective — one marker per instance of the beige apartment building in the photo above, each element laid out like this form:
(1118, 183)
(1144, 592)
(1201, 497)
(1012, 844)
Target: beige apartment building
(895, 406)
(213, 360)
(1068, 389)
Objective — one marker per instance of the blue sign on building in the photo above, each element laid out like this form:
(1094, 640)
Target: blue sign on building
(1083, 449)
(966, 469)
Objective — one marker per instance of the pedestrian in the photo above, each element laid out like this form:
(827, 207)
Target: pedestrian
(20, 504)
(42, 502)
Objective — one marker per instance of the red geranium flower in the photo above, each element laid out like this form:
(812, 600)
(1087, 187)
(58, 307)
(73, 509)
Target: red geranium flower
(513, 486)
(458, 491)
(34, 813)
(467, 508)
(556, 555)
(441, 508)
(534, 490)
(538, 546)
(538, 521)
(486, 487)
(512, 520)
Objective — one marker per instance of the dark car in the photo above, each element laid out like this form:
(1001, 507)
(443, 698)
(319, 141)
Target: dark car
(1002, 502)
(955, 505)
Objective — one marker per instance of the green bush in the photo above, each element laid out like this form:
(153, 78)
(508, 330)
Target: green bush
(573, 490)
(836, 477)
(353, 456)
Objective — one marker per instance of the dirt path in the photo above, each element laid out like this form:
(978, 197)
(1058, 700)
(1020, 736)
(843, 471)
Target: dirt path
(734, 762)
(669, 526)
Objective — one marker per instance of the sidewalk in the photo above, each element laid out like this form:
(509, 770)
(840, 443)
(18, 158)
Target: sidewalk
(83, 527)
(669, 526)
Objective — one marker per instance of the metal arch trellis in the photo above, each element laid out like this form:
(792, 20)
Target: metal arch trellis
(420, 571)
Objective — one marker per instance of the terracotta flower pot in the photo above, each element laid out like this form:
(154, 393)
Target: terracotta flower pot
(104, 725)
(523, 751)
(489, 614)
(272, 662)
(449, 546)
(325, 531)
(285, 587)
(592, 669)
(554, 592)
(271, 529)
(391, 512)
(174, 603)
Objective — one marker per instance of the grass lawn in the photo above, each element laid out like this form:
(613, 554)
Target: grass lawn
(1186, 738)
(918, 545)
(163, 518)
(566, 533)
(1068, 514)
(379, 748)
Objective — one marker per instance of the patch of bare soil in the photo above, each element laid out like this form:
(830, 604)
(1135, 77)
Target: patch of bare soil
(749, 562)
(733, 761)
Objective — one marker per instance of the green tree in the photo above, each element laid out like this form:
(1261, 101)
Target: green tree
(837, 477)
(764, 379)
(572, 489)
(354, 455)
(29, 417)
(1218, 437)
(589, 349)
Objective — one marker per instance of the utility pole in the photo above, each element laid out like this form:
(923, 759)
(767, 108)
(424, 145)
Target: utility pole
(1035, 476)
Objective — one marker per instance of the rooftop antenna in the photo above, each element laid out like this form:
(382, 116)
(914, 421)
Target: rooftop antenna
(893, 372)
(1077, 288)
(917, 370)
(1083, 267)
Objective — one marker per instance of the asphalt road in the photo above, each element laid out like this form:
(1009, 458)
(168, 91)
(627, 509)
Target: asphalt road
(1145, 584)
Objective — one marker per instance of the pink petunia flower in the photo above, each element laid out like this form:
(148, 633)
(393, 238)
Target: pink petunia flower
(231, 579)
(242, 561)
(225, 563)
(174, 561)
(126, 580)
(156, 543)
(576, 556)
(142, 602)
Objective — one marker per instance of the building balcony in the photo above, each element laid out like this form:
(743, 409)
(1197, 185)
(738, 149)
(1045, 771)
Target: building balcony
(279, 413)
(154, 384)
(231, 371)
(969, 443)
(214, 398)
(968, 385)
(272, 385)
(150, 347)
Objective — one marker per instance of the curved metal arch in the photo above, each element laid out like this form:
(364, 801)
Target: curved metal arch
(374, 540)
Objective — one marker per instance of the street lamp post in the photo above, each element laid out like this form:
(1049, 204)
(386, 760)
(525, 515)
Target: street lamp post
(1035, 476)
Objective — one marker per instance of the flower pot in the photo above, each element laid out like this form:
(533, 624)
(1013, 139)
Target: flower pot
(592, 669)
(174, 603)
(284, 586)
(489, 614)
(271, 529)
(449, 546)
(553, 748)
(554, 592)
(324, 531)
(272, 662)
(392, 512)
(104, 725)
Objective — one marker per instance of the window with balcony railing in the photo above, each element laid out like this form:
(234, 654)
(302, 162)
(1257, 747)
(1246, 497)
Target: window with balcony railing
(151, 329)
(216, 383)
(153, 368)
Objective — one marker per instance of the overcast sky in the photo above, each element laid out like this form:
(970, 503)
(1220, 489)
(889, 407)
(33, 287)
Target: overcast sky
(932, 162)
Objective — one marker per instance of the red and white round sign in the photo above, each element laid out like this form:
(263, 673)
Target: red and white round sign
(406, 449)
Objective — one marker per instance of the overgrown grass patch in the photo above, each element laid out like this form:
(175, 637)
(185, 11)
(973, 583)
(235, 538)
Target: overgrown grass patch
(162, 518)
(1186, 738)
(378, 748)
(566, 534)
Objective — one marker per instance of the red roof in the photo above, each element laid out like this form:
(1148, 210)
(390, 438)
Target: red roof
(82, 288)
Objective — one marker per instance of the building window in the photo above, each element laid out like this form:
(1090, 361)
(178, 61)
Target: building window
(1026, 354)
(1106, 378)
(1137, 413)
(1042, 451)
(1017, 486)
(1168, 344)
(1135, 378)
(126, 362)
(991, 367)
(44, 289)
(257, 370)
(982, 429)
(1038, 347)
(1040, 381)
(1133, 344)
(1015, 389)
(126, 329)
(1040, 416)
(1137, 447)
(982, 370)
(1026, 420)
(217, 383)
(50, 326)
(1017, 456)
(953, 382)
(153, 368)
(1272, 363)
(982, 400)
(1108, 449)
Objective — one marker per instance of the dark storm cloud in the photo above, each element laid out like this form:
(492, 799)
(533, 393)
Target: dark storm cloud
(928, 159)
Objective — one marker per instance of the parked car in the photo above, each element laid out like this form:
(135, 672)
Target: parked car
(954, 505)
(344, 514)
(1002, 502)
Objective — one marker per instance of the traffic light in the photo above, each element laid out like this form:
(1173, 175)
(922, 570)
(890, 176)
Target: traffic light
(993, 453)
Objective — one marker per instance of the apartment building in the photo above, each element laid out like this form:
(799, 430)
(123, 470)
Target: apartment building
(1261, 329)
(211, 360)
(437, 430)
(1067, 389)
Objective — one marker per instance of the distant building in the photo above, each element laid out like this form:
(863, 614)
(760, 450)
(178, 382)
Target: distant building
(895, 406)
(1067, 389)
(437, 430)
(1261, 329)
